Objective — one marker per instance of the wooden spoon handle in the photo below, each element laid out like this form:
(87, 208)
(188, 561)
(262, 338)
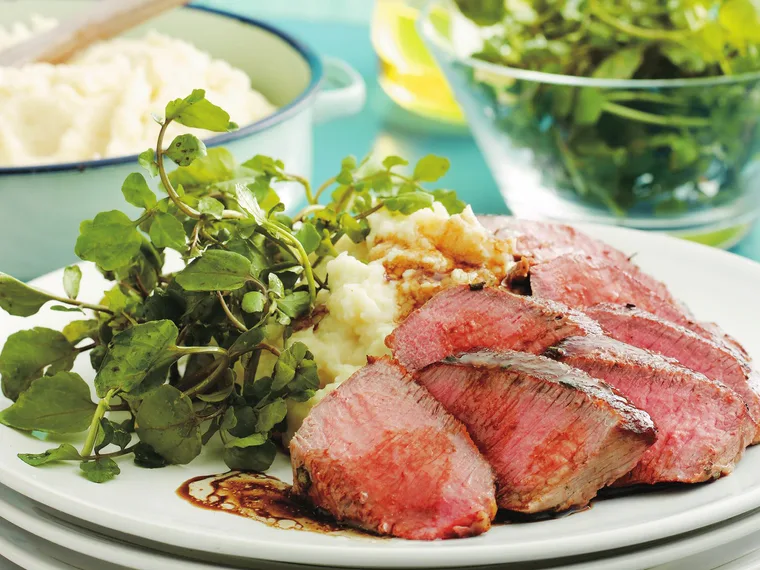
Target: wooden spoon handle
(109, 18)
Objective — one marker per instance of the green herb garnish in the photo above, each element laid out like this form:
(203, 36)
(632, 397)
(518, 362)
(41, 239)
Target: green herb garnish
(180, 355)
(631, 151)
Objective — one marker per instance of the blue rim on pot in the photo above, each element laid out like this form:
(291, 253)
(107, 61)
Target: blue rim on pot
(317, 75)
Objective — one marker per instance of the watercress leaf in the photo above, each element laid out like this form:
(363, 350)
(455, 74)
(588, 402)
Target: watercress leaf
(391, 161)
(19, 299)
(248, 203)
(276, 287)
(245, 422)
(218, 165)
(430, 168)
(213, 429)
(185, 149)
(166, 421)
(137, 192)
(382, 184)
(309, 237)
(77, 331)
(621, 64)
(115, 299)
(147, 458)
(409, 202)
(287, 364)
(248, 441)
(147, 159)
(211, 207)
(215, 270)
(134, 354)
(264, 193)
(64, 452)
(589, 105)
(356, 230)
(306, 379)
(72, 277)
(100, 470)
(27, 354)
(167, 231)
(247, 341)
(265, 164)
(449, 200)
(58, 404)
(110, 240)
(197, 112)
(97, 355)
(64, 309)
(257, 458)
(229, 420)
(253, 302)
(111, 433)
(271, 415)
(295, 304)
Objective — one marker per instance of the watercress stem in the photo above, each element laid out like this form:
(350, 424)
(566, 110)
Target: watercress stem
(222, 360)
(92, 433)
(184, 208)
(81, 304)
(232, 318)
(324, 187)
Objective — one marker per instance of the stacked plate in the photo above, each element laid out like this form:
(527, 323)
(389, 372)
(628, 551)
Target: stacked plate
(54, 519)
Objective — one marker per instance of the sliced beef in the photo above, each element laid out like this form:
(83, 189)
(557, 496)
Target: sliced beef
(542, 241)
(380, 453)
(580, 281)
(703, 426)
(463, 319)
(634, 326)
(553, 434)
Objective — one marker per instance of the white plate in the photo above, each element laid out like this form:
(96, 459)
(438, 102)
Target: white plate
(32, 553)
(705, 549)
(718, 286)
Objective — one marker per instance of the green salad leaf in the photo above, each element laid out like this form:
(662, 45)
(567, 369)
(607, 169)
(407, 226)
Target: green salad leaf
(627, 149)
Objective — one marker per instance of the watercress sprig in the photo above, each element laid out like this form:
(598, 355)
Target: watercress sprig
(181, 357)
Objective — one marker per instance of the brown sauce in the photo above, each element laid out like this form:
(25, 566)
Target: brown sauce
(268, 500)
(262, 498)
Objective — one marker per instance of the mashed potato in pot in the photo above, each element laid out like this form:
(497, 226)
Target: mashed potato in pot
(89, 108)
(408, 260)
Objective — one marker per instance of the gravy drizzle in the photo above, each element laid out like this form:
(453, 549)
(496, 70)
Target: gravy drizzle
(262, 498)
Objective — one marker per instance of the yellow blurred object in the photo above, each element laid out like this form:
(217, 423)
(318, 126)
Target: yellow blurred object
(408, 73)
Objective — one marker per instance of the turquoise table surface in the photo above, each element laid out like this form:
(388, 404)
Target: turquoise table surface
(340, 28)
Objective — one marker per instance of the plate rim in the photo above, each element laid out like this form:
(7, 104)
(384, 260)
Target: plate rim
(419, 554)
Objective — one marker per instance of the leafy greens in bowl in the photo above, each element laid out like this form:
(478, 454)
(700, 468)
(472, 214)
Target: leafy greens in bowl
(206, 350)
(640, 114)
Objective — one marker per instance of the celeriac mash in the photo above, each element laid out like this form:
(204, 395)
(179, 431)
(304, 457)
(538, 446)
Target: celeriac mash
(99, 105)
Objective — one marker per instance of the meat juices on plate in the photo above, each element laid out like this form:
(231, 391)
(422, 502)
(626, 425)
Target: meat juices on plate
(553, 434)
(703, 426)
(382, 454)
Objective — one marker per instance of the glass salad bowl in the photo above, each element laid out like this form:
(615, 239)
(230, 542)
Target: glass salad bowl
(675, 155)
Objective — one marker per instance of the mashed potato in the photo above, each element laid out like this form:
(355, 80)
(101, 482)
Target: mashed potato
(100, 104)
(409, 259)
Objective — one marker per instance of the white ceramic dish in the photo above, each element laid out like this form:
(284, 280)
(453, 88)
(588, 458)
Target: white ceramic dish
(701, 550)
(290, 74)
(146, 505)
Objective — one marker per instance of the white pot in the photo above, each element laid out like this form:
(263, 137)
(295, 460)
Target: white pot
(41, 207)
